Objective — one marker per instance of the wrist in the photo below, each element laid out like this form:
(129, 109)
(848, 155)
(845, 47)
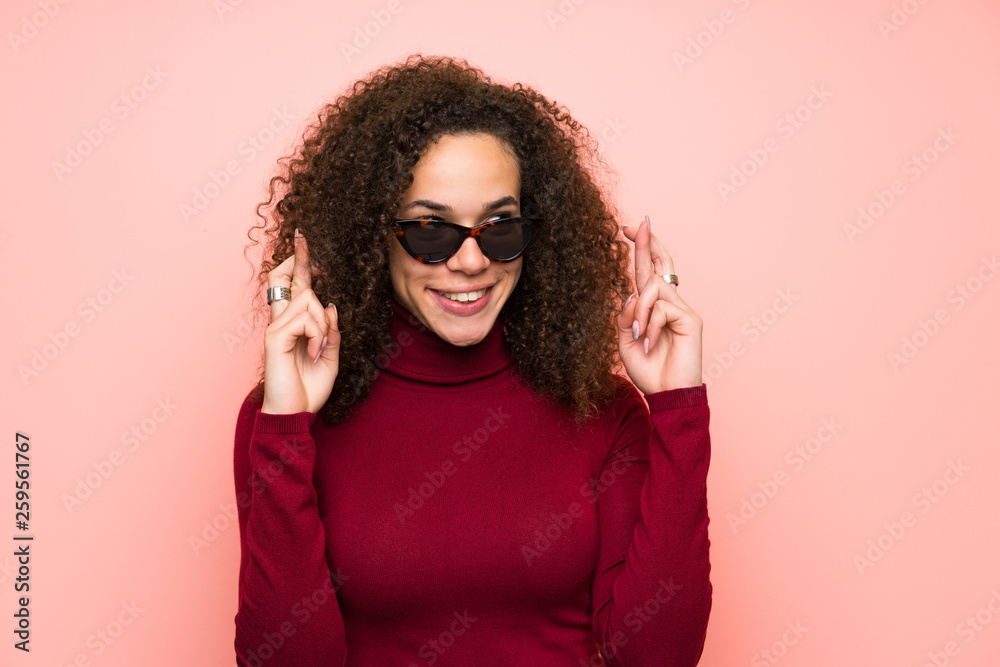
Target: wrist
(273, 409)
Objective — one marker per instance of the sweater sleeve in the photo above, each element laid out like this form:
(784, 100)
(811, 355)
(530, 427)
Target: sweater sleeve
(288, 612)
(651, 590)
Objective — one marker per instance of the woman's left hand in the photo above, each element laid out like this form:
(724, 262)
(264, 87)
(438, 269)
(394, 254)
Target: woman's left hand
(659, 336)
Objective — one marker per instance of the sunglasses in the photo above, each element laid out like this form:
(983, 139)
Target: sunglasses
(433, 241)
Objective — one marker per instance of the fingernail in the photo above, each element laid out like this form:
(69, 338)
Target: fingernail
(647, 221)
(645, 346)
(628, 301)
(322, 347)
(635, 330)
(297, 233)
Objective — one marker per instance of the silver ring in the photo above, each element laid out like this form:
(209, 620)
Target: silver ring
(278, 294)
(671, 278)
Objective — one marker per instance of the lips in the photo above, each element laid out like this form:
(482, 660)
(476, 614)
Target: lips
(453, 302)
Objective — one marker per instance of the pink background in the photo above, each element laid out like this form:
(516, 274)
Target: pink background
(170, 326)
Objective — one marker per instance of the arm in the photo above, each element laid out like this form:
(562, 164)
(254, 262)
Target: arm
(651, 590)
(288, 612)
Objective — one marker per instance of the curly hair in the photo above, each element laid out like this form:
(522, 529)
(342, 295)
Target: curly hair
(341, 188)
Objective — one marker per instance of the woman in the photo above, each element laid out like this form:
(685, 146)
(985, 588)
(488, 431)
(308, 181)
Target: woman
(481, 487)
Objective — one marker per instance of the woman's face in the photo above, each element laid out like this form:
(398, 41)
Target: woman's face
(464, 179)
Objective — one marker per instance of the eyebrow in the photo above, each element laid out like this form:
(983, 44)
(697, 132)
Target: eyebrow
(444, 208)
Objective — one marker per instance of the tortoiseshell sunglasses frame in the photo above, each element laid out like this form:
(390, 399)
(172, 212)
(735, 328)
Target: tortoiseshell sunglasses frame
(399, 229)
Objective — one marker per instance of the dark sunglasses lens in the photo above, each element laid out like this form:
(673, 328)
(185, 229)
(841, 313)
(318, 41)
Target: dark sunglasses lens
(507, 239)
(431, 242)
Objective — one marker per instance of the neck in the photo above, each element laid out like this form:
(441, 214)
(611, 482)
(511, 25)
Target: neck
(420, 354)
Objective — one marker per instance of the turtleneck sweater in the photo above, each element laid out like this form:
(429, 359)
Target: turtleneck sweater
(458, 517)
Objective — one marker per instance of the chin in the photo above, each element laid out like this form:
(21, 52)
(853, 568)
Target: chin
(461, 335)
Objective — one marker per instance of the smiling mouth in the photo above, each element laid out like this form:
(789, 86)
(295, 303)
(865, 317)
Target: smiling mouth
(463, 297)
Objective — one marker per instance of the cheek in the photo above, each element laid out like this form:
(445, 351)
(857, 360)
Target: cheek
(516, 268)
(403, 269)
(397, 260)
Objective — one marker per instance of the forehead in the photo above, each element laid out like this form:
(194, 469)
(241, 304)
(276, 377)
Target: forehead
(466, 163)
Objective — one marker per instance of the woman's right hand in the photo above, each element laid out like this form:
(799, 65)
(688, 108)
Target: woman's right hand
(302, 342)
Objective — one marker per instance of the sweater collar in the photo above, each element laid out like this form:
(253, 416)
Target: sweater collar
(429, 358)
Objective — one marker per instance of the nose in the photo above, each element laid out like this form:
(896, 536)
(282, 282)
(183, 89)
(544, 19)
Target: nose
(469, 258)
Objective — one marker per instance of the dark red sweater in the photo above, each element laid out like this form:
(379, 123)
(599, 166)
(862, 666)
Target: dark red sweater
(458, 518)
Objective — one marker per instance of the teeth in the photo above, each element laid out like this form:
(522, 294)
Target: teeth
(463, 296)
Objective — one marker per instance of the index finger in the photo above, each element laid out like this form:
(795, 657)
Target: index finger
(280, 276)
(301, 268)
